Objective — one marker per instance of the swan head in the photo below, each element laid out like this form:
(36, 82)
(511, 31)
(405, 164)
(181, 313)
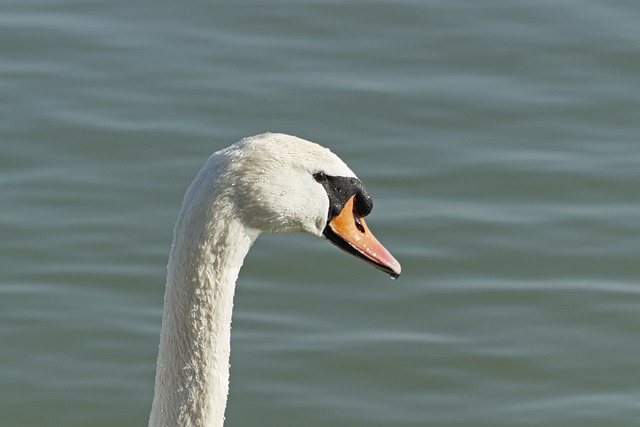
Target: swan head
(280, 183)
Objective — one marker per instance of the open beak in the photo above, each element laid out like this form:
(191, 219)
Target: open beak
(348, 231)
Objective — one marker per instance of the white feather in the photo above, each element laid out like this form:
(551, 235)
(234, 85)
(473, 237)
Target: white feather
(260, 184)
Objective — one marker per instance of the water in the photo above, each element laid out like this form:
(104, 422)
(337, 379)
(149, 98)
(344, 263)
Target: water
(498, 139)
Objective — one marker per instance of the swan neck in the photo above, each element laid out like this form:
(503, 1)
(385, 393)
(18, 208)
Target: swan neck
(192, 377)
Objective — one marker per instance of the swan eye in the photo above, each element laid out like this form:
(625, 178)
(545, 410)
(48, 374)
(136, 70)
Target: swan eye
(319, 176)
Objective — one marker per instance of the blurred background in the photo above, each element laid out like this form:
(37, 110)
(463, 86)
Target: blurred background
(499, 140)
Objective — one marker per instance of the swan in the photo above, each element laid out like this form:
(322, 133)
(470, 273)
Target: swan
(265, 183)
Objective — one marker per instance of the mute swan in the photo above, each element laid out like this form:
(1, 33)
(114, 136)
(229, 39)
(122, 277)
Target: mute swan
(266, 183)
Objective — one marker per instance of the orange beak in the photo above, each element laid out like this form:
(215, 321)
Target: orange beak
(348, 231)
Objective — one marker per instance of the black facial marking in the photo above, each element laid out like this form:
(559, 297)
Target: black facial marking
(340, 189)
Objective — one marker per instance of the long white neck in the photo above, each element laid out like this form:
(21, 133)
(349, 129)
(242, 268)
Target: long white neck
(192, 377)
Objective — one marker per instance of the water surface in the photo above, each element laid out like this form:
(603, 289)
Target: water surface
(498, 139)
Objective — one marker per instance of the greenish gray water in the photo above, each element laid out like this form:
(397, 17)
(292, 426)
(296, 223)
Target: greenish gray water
(499, 140)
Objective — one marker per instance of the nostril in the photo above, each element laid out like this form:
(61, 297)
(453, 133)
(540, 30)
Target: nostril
(359, 225)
